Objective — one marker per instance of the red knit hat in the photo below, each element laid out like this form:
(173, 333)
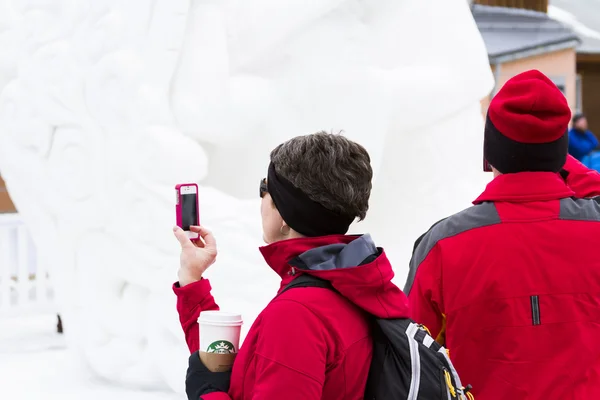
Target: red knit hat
(526, 125)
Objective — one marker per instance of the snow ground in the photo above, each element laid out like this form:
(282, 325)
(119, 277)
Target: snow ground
(35, 364)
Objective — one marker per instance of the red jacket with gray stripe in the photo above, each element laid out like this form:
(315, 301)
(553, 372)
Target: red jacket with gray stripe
(309, 343)
(511, 286)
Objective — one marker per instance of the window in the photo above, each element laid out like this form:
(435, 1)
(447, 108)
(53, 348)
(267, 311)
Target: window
(561, 83)
(578, 94)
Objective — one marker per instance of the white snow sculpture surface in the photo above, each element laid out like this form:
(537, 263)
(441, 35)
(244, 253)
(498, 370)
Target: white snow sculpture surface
(105, 105)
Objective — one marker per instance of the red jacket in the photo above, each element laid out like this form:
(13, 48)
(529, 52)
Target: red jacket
(583, 181)
(512, 287)
(308, 343)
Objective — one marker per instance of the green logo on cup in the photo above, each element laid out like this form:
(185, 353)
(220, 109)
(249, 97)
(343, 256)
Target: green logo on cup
(221, 347)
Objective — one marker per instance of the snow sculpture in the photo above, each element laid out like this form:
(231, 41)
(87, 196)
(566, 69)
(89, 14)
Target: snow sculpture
(106, 105)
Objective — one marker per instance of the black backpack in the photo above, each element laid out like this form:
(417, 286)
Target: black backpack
(407, 364)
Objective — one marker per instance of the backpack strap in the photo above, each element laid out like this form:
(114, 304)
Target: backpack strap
(307, 280)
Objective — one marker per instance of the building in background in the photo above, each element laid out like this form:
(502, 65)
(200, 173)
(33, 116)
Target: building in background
(536, 5)
(6, 204)
(519, 36)
(583, 16)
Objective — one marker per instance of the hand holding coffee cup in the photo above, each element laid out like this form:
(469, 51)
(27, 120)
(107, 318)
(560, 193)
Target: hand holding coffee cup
(219, 339)
(196, 256)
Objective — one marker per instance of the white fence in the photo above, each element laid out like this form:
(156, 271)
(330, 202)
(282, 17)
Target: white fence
(24, 283)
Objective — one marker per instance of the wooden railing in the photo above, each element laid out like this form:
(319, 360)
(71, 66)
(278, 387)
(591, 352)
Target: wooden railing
(536, 5)
(6, 204)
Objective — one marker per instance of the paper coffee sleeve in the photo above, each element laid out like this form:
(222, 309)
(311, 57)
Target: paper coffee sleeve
(216, 362)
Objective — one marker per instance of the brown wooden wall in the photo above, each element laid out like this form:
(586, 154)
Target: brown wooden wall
(590, 93)
(537, 5)
(6, 205)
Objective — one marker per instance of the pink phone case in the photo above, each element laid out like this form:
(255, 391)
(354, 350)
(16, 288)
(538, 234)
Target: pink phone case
(179, 218)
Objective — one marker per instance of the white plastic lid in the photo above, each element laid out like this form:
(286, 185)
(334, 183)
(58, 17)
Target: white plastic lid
(222, 318)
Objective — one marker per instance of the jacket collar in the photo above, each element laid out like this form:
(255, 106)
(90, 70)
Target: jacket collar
(279, 254)
(525, 187)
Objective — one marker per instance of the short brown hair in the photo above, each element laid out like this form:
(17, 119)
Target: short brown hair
(330, 169)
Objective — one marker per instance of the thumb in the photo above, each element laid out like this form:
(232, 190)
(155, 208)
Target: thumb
(182, 238)
(210, 243)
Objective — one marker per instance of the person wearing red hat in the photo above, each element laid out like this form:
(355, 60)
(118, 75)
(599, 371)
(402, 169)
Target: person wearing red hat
(511, 285)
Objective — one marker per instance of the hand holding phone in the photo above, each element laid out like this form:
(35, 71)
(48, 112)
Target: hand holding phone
(186, 208)
(196, 256)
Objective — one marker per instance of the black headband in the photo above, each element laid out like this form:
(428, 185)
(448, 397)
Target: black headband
(509, 156)
(302, 214)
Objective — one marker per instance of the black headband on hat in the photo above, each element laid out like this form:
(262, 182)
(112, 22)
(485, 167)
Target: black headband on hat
(509, 156)
(305, 216)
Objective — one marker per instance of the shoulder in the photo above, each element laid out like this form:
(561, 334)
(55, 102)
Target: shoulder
(573, 209)
(477, 216)
(573, 132)
(291, 312)
(316, 300)
(302, 302)
(474, 217)
(290, 303)
(317, 307)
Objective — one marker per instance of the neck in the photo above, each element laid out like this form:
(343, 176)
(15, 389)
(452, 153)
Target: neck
(291, 235)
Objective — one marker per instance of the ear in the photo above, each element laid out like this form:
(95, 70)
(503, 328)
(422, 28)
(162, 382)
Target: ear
(285, 229)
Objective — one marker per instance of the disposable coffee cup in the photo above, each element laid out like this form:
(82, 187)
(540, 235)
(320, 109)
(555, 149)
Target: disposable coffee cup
(219, 339)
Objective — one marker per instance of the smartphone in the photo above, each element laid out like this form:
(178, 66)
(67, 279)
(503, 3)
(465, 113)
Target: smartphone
(186, 208)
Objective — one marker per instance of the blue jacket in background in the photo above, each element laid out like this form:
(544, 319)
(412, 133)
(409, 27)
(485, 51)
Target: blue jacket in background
(581, 143)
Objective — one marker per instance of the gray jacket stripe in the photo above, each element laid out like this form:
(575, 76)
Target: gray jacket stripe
(478, 216)
(580, 209)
